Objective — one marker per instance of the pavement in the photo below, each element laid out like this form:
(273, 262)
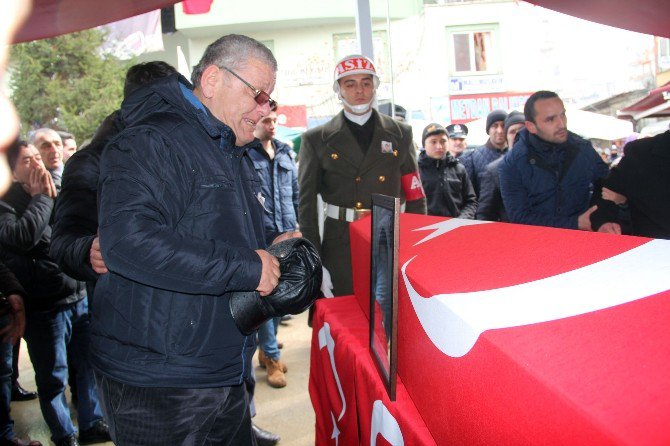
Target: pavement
(287, 412)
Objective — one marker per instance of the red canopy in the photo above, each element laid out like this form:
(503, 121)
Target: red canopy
(655, 104)
(644, 16)
(51, 18)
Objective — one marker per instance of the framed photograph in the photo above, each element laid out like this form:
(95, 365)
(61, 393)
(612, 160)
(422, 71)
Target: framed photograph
(384, 288)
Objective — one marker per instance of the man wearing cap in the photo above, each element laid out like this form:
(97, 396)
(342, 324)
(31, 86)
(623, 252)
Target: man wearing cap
(548, 179)
(449, 192)
(490, 201)
(358, 153)
(475, 162)
(456, 144)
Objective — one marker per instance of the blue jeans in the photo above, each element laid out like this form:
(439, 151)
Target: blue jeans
(49, 335)
(6, 423)
(267, 338)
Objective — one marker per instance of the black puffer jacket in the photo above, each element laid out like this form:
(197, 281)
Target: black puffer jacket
(76, 215)
(25, 235)
(449, 192)
(9, 284)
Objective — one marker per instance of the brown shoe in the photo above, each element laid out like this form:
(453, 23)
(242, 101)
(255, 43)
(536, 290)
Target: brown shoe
(276, 377)
(262, 359)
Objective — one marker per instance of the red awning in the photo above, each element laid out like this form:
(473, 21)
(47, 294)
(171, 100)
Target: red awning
(655, 104)
(51, 18)
(644, 16)
(54, 17)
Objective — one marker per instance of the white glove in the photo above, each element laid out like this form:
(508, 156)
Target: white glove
(326, 284)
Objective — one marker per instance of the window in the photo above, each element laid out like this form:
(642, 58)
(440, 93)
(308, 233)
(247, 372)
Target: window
(474, 50)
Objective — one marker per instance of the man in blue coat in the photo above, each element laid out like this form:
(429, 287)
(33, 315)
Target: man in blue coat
(274, 164)
(181, 228)
(548, 179)
(475, 162)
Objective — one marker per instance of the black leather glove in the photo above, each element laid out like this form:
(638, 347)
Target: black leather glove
(298, 287)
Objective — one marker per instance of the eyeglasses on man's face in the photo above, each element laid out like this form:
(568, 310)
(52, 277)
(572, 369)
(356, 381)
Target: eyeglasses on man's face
(260, 96)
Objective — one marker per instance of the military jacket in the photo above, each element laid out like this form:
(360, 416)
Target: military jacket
(332, 164)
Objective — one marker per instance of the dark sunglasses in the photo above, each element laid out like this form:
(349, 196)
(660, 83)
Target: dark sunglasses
(260, 96)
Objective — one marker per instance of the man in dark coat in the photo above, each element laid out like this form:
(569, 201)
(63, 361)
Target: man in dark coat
(641, 181)
(57, 318)
(12, 324)
(273, 161)
(181, 228)
(475, 162)
(449, 192)
(549, 177)
(75, 245)
(491, 206)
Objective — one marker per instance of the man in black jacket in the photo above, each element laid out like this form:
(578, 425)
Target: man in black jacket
(491, 206)
(181, 227)
(74, 244)
(640, 181)
(449, 191)
(12, 324)
(56, 305)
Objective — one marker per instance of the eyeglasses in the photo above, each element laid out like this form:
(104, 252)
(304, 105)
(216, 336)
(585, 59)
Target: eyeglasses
(260, 96)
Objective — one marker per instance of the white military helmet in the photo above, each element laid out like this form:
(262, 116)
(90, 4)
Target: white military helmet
(354, 64)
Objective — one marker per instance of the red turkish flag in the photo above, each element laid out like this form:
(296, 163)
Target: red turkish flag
(331, 381)
(512, 334)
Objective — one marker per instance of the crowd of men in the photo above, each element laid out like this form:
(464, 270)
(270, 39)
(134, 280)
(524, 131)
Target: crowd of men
(533, 170)
(125, 259)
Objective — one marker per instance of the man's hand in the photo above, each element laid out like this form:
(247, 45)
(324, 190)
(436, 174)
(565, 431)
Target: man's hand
(49, 185)
(286, 236)
(615, 197)
(95, 256)
(610, 228)
(584, 220)
(16, 323)
(269, 274)
(40, 182)
(326, 283)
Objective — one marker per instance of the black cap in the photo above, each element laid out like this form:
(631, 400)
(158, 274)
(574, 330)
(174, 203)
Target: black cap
(495, 116)
(430, 130)
(457, 131)
(515, 117)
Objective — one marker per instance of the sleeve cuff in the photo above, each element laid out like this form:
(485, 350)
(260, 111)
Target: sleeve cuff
(252, 269)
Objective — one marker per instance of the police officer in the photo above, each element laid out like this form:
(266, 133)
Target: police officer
(356, 154)
(456, 144)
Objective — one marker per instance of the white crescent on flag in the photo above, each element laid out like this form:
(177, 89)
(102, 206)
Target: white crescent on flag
(454, 322)
(445, 226)
(385, 424)
(326, 340)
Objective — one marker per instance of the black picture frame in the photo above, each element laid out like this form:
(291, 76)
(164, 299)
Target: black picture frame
(384, 288)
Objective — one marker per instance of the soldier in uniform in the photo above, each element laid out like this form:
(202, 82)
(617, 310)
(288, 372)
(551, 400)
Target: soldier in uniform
(358, 153)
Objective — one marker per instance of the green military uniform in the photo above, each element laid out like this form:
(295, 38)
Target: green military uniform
(332, 164)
